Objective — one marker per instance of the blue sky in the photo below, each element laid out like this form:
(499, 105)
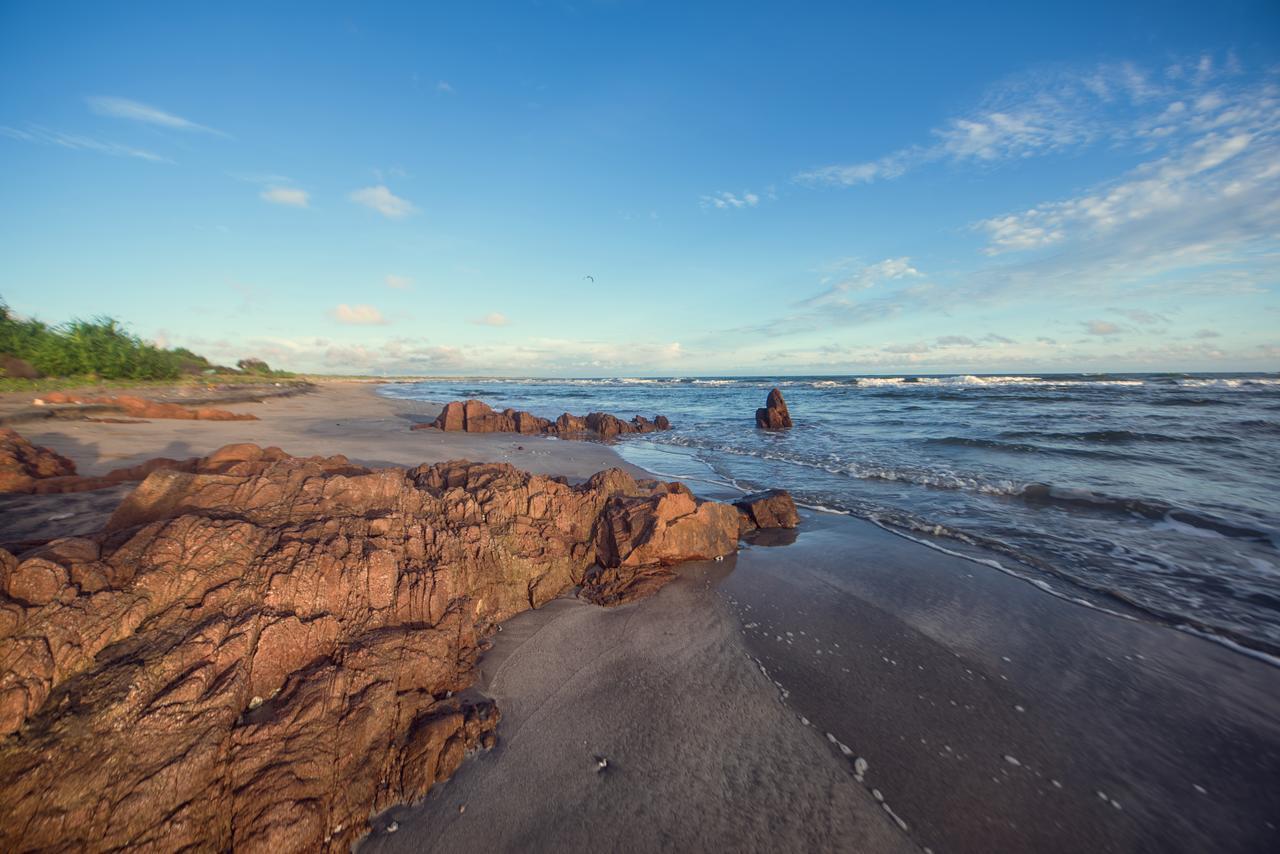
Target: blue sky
(754, 188)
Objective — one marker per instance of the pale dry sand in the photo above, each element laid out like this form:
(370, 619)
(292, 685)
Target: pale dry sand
(336, 418)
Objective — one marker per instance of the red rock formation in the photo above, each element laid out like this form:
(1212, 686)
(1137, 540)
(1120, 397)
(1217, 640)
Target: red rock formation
(22, 464)
(29, 468)
(641, 537)
(139, 407)
(474, 416)
(567, 425)
(772, 509)
(257, 658)
(774, 415)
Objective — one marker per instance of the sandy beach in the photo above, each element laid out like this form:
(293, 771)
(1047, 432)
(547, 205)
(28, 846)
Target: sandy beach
(347, 418)
(843, 689)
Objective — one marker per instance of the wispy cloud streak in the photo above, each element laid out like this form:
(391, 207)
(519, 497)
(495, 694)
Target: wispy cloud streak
(123, 108)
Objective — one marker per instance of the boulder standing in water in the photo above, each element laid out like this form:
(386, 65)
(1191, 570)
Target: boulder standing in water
(774, 415)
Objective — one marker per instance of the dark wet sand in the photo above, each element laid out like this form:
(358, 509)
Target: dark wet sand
(992, 717)
(996, 717)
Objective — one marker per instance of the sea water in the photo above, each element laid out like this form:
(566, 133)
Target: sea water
(1158, 491)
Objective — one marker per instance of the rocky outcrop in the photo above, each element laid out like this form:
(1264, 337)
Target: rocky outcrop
(22, 464)
(474, 416)
(257, 653)
(774, 414)
(763, 510)
(139, 407)
(35, 469)
(640, 537)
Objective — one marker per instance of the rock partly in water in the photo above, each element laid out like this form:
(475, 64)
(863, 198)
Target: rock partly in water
(260, 656)
(474, 416)
(774, 414)
(764, 510)
(139, 407)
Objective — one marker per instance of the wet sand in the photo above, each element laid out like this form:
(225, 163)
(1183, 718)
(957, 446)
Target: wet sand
(701, 753)
(996, 717)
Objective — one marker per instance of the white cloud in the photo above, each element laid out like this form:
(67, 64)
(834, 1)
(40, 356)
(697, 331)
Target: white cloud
(861, 278)
(1212, 169)
(955, 341)
(399, 283)
(1208, 333)
(410, 356)
(729, 201)
(123, 108)
(75, 142)
(383, 201)
(443, 86)
(1142, 316)
(1044, 112)
(493, 318)
(358, 315)
(286, 196)
(889, 166)
(1101, 327)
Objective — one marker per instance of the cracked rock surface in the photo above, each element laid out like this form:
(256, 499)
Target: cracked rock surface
(261, 651)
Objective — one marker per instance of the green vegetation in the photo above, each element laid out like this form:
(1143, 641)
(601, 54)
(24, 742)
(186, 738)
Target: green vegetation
(101, 349)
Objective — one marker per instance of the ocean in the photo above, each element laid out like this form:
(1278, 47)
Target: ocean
(1155, 495)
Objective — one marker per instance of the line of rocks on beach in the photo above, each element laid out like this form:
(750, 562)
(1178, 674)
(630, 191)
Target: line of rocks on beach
(475, 416)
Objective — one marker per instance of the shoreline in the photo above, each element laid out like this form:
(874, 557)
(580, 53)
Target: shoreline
(748, 733)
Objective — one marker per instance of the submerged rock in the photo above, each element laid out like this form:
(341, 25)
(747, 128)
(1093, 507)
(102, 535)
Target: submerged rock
(260, 652)
(774, 414)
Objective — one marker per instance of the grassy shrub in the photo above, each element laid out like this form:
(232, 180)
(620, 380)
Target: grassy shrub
(257, 367)
(100, 347)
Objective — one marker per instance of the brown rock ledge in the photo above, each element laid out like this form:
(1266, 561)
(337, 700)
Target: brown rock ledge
(22, 464)
(28, 468)
(140, 407)
(258, 658)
